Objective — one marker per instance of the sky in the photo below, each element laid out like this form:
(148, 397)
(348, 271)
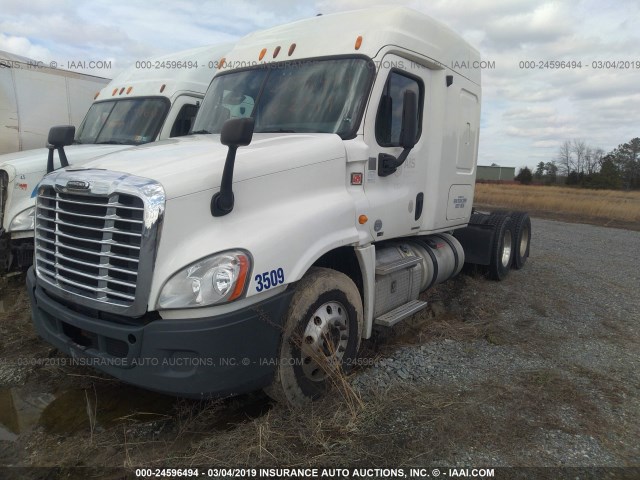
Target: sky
(527, 113)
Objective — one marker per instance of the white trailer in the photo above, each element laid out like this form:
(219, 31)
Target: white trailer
(153, 99)
(33, 97)
(331, 177)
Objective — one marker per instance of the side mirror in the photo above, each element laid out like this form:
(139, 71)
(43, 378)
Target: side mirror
(388, 164)
(59, 137)
(409, 128)
(235, 133)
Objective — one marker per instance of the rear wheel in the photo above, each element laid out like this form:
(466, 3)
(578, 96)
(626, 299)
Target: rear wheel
(501, 247)
(521, 238)
(321, 336)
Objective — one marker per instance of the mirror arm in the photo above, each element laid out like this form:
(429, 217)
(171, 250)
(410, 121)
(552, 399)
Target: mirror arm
(403, 156)
(222, 202)
(50, 159)
(387, 164)
(63, 157)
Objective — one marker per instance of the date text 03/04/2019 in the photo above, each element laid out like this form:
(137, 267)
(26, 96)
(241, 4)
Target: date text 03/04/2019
(579, 64)
(329, 473)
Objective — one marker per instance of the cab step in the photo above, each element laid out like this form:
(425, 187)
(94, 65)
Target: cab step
(389, 319)
(401, 264)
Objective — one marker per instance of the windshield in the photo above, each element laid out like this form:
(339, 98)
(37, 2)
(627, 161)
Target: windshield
(131, 121)
(322, 96)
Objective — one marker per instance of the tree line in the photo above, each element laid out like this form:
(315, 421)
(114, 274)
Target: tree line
(578, 163)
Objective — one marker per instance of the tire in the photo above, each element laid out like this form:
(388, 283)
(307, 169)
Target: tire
(5, 254)
(521, 238)
(478, 219)
(321, 336)
(501, 247)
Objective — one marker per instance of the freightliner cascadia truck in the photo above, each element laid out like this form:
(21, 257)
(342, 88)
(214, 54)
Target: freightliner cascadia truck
(328, 181)
(153, 99)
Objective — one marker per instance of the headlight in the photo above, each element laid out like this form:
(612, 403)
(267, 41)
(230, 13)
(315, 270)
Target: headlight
(217, 279)
(25, 220)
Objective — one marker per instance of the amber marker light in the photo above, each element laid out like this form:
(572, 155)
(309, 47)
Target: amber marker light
(96, 95)
(221, 62)
(242, 277)
(358, 42)
(115, 90)
(292, 48)
(276, 51)
(262, 53)
(121, 90)
(162, 88)
(362, 219)
(129, 90)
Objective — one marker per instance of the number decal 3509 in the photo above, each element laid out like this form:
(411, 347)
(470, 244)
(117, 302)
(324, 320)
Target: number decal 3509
(267, 280)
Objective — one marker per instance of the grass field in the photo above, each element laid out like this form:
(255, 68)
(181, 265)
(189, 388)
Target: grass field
(598, 206)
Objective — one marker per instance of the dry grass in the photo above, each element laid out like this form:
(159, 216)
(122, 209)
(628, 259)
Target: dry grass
(406, 425)
(16, 331)
(403, 425)
(606, 205)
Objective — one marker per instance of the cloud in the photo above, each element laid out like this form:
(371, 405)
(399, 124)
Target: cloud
(525, 111)
(547, 23)
(23, 46)
(530, 113)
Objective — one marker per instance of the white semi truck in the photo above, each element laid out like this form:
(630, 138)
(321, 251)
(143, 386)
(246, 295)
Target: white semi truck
(34, 96)
(151, 100)
(329, 181)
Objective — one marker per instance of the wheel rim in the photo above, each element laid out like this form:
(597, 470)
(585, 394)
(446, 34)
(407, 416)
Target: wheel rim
(524, 241)
(506, 248)
(324, 340)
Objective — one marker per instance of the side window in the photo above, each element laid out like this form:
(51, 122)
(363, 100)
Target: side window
(184, 120)
(389, 116)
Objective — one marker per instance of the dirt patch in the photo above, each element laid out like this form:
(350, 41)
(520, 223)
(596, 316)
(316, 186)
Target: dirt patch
(538, 370)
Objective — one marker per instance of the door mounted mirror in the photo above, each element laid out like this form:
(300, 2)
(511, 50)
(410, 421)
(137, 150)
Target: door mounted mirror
(388, 164)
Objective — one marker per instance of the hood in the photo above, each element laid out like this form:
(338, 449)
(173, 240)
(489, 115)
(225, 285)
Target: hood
(194, 163)
(30, 161)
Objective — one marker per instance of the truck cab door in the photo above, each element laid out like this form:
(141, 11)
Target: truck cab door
(180, 117)
(395, 200)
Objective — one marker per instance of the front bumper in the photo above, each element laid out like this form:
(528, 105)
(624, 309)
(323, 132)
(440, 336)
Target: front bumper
(196, 358)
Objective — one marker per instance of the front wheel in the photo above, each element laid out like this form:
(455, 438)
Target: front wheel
(321, 336)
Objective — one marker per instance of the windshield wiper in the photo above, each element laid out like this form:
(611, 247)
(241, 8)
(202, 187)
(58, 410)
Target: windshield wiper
(200, 132)
(77, 142)
(276, 130)
(116, 142)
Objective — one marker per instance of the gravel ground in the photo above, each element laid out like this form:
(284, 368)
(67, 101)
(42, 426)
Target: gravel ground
(568, 323)
(539, 370)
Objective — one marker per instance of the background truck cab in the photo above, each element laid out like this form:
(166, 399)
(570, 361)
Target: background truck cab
(151, 100)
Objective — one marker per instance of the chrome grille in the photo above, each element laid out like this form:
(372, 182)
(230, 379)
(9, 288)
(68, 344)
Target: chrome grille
(96, 246)
(91, 245)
